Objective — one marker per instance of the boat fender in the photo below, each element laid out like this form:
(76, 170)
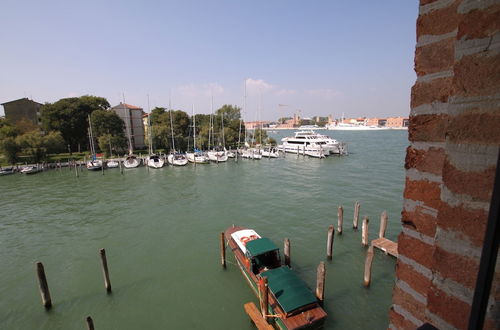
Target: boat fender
(244, 240)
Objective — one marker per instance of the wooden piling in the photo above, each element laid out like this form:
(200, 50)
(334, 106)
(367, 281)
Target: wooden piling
(329, 242)
(223, 249)
(44, 287)
(340, 216)
(90, 323)
(383, 224)
(364, 234)
(356, 216)
(320, 282)
(264, 297)
(287, 252)
(107, 282)
(76, 171)
(121, 166)
(368, 267)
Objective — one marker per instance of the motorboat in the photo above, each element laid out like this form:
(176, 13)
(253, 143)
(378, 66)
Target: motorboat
(155, 161)
(291, 304)
(31, 169)
(304, 140)
(177, 159)
(270, 152)
(7, 171)
(113, 163)
(94, 165)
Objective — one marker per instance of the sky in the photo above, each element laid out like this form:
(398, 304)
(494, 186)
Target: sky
(315, 57)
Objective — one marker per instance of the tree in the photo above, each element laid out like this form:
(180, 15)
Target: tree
(69, 116)
(108, 127)
(38, 145)
(162, 128)
(8, 145)
(117, 144)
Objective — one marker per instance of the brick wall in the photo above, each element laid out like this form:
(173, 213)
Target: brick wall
(454, 137)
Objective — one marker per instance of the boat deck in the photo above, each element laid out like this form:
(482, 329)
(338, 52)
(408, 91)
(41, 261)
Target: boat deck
(388, 246)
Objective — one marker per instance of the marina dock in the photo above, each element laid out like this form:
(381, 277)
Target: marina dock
(386, 245)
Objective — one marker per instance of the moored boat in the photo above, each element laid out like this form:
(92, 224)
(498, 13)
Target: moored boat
(31, 169)
(177, 159)
(7, 171)
(291, 302)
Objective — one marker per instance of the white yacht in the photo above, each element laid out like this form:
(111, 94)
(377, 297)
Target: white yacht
(308, 140)
(155, 161)
(270, 152)
(217, 154)
(177, 159)
(354, 127)
(131, 161)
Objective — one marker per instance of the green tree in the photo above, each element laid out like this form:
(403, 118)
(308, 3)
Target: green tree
(162, 128)
(69, 116)
(8, 145)
(117, 144)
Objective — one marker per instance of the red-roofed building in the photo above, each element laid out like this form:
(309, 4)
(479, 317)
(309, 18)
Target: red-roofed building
(132, 117)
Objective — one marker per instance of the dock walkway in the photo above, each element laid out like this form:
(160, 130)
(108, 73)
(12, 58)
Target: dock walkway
(388, 246)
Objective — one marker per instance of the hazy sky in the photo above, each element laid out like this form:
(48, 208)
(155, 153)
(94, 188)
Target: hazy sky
(319, 57)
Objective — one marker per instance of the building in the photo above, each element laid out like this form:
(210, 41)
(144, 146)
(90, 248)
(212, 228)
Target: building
(23, 109)
(132, 116)
(397, 122)
(256, 124)
(450, 211)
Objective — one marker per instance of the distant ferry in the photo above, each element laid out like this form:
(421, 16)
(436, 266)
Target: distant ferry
(310, 127)
(354, 127)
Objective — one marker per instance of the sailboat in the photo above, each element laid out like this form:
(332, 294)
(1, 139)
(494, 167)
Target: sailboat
(93, 164)
(175, 158)
(131, 160)
(218, 153)
(197, 156)
(153, 160)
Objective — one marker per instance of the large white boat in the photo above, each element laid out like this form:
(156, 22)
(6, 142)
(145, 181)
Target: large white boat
(309, 141)
(177, 159)
(155, 161)
(354, 127)
(131, 161)
(217, 154)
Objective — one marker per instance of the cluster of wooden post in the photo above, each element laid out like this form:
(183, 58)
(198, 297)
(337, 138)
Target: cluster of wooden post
(44, 287)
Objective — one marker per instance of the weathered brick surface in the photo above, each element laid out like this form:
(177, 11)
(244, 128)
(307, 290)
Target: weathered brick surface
(430, 161)
(479, 23)
(469, 224)
(477, 75)
(400, 322)
(420, 221)
(436, 57)
(423, 190)
(478, 185)
(475, 128)
(406, 301)
(437, 90)
(425, 2)
(439, 21)
(448, 308)
(415, 280)
(427, 128)
(415, 249)
(459, 268)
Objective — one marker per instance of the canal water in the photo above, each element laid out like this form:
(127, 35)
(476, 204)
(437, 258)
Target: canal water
(161, 232)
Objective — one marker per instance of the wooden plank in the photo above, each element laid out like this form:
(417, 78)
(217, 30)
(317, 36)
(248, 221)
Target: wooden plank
(388, 246)
(256, 317)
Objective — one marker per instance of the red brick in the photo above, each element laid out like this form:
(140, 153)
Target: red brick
(425, 2)
(436, 57)
(407, 302)
(478, 185)
(425, 191)
(478, 24)
(399, 321)
(419, 221)
(448, 308)
(415, 249)
(428, 128)
(480, 128)
(477, 75)
(430, 161)
(469, 224)
(439, 21)
(438, 90)
(459, 268)
(415, 280)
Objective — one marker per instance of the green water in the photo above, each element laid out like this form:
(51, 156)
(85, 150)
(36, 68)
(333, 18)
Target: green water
(161, 232)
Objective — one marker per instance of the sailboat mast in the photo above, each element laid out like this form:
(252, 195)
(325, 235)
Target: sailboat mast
(150, 129)
(260, 110)
(194, 129)
(127, 126)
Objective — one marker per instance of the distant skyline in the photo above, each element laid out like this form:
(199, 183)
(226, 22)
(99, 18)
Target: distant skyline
(317, 57)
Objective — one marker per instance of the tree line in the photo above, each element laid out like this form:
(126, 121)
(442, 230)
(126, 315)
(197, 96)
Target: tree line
(64, 128)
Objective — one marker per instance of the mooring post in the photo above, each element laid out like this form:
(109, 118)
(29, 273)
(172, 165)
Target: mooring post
(287, 252)
(356, 216)
(368, 267)
(44, 287)
(340, 216)
(329, 242)
(320, 283)
(90, 323)
(383, 224)
(264, 297)
(121, 168)
(223, 249)
(76, 170)
(107, 282)
(364, 233)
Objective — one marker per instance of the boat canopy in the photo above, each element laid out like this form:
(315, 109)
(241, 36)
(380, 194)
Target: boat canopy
(290, 291)
(259, 246)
